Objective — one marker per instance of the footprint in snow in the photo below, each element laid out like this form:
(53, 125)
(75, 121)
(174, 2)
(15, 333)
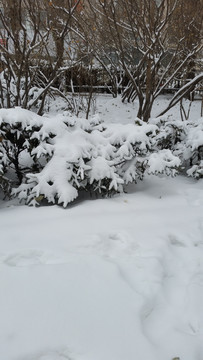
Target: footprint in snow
(23, 259)
(31, 257)
(53, 355)
(175, 241)
(116, 243)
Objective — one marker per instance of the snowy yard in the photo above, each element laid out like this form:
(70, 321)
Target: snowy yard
(105, 279)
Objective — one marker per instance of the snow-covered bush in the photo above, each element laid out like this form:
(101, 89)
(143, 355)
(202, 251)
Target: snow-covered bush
(185, 140)
(171, 132)
(4, 183)
(55, 157)
(20, 134)
(193, 149)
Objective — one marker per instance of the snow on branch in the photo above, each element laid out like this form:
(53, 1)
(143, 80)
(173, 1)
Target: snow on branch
(188, 87)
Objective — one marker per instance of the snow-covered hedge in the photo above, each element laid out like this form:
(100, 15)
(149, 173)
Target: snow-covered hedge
(55, 157)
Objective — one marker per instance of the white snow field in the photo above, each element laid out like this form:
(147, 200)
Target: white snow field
(105, 279)
(109, 279)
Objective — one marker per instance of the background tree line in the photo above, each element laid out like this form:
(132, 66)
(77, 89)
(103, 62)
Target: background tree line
(141, 45)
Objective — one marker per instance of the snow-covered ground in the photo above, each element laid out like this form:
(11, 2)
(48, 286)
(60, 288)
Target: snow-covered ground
(105, 279)
(112, 110)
